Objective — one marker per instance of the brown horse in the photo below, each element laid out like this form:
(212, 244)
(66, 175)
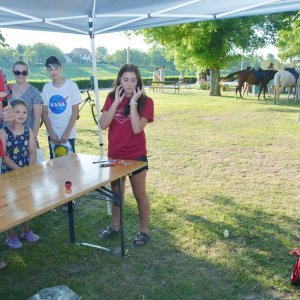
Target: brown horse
(255, 77)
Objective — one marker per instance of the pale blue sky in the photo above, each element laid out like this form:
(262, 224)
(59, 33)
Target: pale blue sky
(67, 42)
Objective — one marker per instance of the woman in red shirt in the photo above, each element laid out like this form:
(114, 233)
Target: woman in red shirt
(126, 112)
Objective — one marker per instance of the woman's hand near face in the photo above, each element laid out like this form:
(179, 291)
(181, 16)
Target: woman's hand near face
(138, 92)
(120, 94)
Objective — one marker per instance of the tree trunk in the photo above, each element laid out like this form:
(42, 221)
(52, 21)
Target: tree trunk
(215, 89)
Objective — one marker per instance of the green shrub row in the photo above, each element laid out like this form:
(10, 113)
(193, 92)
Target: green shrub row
(85, 83)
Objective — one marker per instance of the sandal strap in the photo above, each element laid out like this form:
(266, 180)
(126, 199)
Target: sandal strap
(108, 232)
(141, 239)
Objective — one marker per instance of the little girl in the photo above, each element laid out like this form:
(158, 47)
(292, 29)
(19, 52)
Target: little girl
(18, 141)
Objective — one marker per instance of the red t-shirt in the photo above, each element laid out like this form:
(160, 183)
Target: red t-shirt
(2, 82)
(122, 142)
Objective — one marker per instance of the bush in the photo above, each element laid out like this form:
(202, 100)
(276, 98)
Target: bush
(84, 83)
(204, 86)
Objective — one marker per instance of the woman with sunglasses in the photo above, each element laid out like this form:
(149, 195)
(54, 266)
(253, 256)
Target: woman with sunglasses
(29, 94)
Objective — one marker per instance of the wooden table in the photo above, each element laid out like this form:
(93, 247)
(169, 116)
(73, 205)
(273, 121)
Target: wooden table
(29, 192)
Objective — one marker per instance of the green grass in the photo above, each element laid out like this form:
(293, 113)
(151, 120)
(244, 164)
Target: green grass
(216, 163)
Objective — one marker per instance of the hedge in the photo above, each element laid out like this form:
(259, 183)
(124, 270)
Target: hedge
(85, 83)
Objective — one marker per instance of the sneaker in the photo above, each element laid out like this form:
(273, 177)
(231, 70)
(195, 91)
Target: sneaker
(30, 236)
(13, 242)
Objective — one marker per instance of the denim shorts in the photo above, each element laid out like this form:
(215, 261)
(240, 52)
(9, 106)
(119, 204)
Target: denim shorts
(145, 159)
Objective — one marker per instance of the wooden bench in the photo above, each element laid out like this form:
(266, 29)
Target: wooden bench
(160, 86)
(187, 83)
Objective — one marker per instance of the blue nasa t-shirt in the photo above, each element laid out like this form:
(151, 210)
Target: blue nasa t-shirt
(59, 103)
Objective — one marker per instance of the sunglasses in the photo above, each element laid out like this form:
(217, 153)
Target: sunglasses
(53, 67)
(23, 73)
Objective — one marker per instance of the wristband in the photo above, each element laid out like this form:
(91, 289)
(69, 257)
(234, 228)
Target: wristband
(132, 102)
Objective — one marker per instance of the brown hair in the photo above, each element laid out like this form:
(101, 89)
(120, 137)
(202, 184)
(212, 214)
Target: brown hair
(20, 62)
(129, 68)
(18, 102)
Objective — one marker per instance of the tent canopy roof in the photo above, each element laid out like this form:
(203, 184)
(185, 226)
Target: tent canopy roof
(102, 16)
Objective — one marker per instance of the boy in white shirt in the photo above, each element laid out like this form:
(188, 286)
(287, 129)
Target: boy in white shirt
(61, 108)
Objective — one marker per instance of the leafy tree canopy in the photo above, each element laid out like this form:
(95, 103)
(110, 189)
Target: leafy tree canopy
(101, 53)
(288, 41)
(214, 44)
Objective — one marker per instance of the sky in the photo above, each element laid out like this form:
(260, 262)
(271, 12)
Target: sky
(67, 42)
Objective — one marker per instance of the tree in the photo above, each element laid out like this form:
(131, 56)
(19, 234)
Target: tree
(2, 40)
(76, 58)
(157, 57)
(288, 41)
(215, 44)
(20, 51)
(7, 57)
(101, 53)
(41, 51)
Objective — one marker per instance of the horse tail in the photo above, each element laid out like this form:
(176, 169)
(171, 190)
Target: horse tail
(277, 83)
(277, 79)
(229, 77)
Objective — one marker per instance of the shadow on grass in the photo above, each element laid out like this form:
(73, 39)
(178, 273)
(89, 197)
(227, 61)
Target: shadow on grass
(255, 239)
(167, 268)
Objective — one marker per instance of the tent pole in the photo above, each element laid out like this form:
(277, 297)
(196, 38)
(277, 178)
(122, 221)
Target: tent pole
(96, 90)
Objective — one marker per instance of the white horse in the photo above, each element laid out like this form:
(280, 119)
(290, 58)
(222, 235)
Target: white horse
(284, 79)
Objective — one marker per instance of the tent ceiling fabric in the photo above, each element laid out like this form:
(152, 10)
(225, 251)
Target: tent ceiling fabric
(118, 15)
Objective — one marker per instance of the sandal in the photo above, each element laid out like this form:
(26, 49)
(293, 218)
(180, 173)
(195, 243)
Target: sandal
(13, 242)
(64, 208)
(141, 239)
(30, 236)
(108, 233)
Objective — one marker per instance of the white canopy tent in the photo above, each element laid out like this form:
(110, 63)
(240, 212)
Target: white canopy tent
(92, 17)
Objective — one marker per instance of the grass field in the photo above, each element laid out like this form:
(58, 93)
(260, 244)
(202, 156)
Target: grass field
(216, 163)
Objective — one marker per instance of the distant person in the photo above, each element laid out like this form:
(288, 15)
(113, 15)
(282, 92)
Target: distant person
(20, 151)
(271, 82)
(126, 112)
(200, 80)
(155, 79)
(162, 77)
(181, 78)
(60, 111)
(29, 94)
(162, 74)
